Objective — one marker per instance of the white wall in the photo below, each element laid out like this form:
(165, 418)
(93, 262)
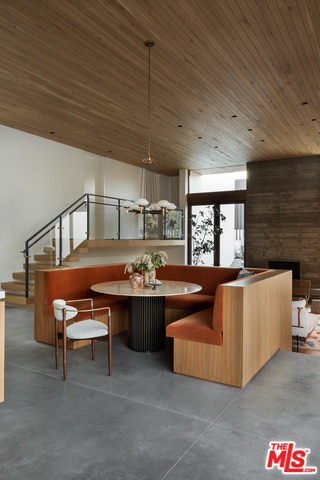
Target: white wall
(39, 178)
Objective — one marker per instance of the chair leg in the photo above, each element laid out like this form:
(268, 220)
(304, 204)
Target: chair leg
(93, 349)
(109, 343)
(56, 345)
(110, 353)
(64, 355)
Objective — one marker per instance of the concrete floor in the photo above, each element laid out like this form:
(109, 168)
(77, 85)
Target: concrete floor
(145, 422)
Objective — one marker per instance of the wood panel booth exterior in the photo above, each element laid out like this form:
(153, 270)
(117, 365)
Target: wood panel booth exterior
(256, 315)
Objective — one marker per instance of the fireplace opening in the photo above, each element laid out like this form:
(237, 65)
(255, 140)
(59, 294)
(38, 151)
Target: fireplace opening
(283, 265)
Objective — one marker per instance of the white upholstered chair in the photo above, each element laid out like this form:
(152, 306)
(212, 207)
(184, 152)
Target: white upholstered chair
(79, 324)
(303, 321)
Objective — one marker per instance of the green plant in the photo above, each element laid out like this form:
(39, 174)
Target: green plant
(151, 226)
(147, 262)
(204, 229)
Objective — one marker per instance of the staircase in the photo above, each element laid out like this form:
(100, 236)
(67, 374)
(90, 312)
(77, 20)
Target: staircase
(15, 289)
(78, 221)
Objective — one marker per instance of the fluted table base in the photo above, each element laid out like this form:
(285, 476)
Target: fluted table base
(146, 324)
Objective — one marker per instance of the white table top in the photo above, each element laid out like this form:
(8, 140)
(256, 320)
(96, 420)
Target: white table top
(168, 288)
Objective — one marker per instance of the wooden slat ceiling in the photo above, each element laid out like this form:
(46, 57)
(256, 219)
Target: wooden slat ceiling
(232, 81)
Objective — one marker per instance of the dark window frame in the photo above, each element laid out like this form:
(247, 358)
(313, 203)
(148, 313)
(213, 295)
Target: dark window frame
(212, 198)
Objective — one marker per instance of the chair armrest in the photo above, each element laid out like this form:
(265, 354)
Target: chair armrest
(99, 309)
(81, 300)
(95, 310)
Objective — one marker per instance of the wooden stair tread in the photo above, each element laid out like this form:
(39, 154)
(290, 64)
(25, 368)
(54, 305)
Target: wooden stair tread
(51, 259)
(22, 276)
(19, 299)
(45, 257)
(16, 286)
(49, 249)
(81, 250)
(71, 258)
(40, 266)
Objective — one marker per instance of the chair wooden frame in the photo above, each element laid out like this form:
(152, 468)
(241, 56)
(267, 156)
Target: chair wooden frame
(301, 289)
(68, 313)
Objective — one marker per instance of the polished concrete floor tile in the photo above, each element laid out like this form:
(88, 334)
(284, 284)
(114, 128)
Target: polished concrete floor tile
(224, 453)
(145, 422)
(280, 401)
(76, 432)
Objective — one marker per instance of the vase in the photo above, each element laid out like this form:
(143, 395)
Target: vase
(136, 280)
(149, 276)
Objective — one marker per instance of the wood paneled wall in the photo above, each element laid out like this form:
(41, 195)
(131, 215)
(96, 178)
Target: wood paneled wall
(283, 214)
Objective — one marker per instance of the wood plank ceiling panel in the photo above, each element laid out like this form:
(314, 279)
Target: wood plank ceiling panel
(232, 81)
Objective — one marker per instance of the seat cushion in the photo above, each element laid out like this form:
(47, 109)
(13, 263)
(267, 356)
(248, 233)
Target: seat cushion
(86, 329)
(196, 328)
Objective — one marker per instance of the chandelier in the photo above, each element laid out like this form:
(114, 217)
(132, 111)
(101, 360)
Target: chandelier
(148, 184)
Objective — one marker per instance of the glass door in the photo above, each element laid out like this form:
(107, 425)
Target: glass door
(216, 229)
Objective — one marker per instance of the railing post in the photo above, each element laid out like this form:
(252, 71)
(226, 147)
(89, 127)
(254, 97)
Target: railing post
(165, 222)
(26, 256)
(60, 240)
(144, 225)
(119, 213)
(88, 216)
(182, 225)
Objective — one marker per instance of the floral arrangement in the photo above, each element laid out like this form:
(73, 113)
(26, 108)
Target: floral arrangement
(148, 262)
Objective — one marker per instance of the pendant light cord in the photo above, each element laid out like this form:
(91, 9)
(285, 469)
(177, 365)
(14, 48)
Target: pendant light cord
(148, 159)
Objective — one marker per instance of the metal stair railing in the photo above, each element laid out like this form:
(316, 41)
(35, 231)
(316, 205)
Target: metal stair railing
(100, 217)
(57, 224)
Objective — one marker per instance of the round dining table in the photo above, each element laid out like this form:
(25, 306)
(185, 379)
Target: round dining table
(146, 322)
